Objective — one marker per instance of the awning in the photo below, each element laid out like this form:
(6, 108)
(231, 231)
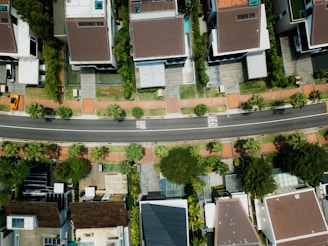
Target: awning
(256, 65)
(28, 71)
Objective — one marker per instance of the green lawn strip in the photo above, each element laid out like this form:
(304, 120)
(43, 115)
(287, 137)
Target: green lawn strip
(252, 87)
(322, 132)
(148, 112)
(320, 81)
(108, 77)
(69, 92)
(267, 139)
(324, 94)
(77, 111)
(277, 102)
(285, 88)
(202, 145)
(4, 108)
(35, 93)
(187, 91)
(109, 93)
(101, 112)
(213, 92)
(147, 96)
(210, 109)
(116, 148)
(110, 166)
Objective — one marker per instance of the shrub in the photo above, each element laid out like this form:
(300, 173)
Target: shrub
(298, 100)
(137, 112)
(115, 111)
(64, 112)
(36, 110)
(200, 109)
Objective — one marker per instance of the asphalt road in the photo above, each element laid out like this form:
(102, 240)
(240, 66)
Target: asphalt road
(182, 129)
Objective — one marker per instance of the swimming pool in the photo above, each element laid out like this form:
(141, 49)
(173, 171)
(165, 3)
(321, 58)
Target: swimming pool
(186, 23)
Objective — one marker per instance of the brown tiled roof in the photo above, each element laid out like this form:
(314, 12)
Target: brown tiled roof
(88, 43)
(296, 214)
(47, 213)
(148, 6)
(231, 3)
(233, 34)
(232, 225)
(317, 241)
(98, 214)
(7, 40)
(319, 23)
(158, 38)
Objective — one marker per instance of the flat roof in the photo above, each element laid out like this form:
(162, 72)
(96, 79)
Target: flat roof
(150, 75)
(85, 8)
(28, 71)
(256, 65)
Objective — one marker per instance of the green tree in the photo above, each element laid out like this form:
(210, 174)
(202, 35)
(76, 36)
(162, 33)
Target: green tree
(36, 110)
(298, 100)
(309, 162)
(215, 146)
(64, 112)
(125, 167)
(13, 172)
(35, 151)
(97, 153)
(251, 147)
(315, 96)
(10, 148)
(257, 177)
(200, 109)
(115, 111)
(77, 150)
(72, 169)
(295, 140)
(197, 183)
(179, 166)
(134, 152)
(137, 112)
(161, 151)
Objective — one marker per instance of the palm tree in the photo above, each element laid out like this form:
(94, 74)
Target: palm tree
(315, 96)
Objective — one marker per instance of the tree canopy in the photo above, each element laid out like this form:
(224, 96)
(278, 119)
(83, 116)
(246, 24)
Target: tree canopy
(257, 177)
(72, 169)
(13, 171)
(134, 152)
(308, 161)
(179, 166)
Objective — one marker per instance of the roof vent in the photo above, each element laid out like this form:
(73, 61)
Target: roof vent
(297, 196)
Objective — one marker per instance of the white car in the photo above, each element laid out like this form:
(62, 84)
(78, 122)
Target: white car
(10, 73)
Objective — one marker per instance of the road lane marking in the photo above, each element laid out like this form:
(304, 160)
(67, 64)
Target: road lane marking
(161, 130)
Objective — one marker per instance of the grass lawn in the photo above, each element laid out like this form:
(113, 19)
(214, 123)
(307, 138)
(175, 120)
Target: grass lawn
(4, 107)
(116, 148)
(148, 112)
(323, 131)
(320, 81)
(147, 96)
(324, 94)
(285, 88)
(109, 93)
(110, 167)
(213, 92)
(267, 139)
(36, 93)
(187, 91)
(69, 92)
(101, 112)
(252, 87)
(210, 109)
(77, 111)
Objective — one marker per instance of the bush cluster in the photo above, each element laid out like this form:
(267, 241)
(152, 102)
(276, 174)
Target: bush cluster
(320, 74)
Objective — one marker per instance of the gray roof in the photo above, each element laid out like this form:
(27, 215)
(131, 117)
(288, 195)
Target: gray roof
(164, 225)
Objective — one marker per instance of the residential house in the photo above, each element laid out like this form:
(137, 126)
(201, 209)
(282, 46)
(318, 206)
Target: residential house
(292, 218)
(238, 31)
(164, 222)
(20, 48)
(158, 39)
(232, 224)
(5, 234)
(100, 223)
(307, 19)
(88, 27)
(40, 220)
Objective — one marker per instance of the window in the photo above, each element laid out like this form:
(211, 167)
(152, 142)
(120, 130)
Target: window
(14, 20)
(247, 16)
(90, 23)
(3, 8)
(98, 5)
(137, 9)
(51, 241)
(17, 223)
(32, 47)
(4, 20)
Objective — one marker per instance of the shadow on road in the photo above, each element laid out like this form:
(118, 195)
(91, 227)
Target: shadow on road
(280, 111)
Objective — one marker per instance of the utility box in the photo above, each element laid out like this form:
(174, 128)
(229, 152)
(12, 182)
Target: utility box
(3, 88)
(100, 167)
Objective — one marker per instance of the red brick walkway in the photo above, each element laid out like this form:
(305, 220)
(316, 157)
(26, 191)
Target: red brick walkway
(88, 106)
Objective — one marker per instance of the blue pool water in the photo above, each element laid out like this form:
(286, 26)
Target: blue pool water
(186, 25)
